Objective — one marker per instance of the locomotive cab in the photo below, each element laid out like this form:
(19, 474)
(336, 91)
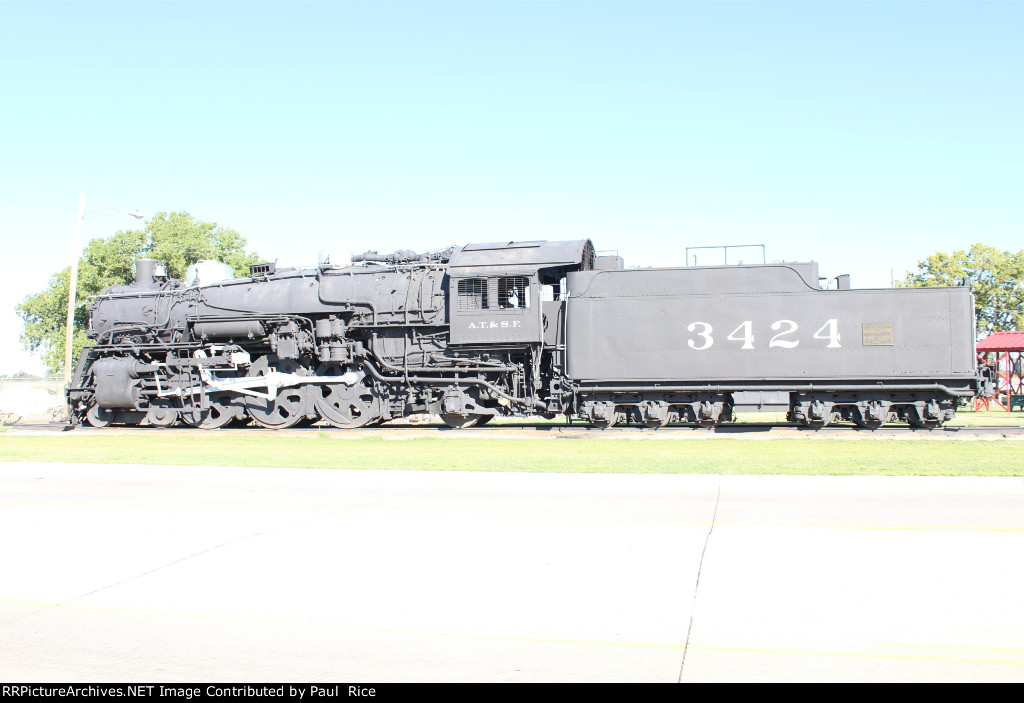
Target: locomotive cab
(510, 292)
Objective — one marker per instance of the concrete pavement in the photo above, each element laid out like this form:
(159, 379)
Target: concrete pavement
(164, 573)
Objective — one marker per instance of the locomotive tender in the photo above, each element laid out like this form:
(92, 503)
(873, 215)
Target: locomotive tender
(519, 329)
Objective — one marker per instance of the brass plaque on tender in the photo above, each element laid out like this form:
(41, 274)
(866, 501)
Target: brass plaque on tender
(877, 334)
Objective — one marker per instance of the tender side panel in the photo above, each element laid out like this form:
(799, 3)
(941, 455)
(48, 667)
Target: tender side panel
(623, 327)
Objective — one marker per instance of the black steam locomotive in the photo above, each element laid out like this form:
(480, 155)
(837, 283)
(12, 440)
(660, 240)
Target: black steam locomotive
(519, 329)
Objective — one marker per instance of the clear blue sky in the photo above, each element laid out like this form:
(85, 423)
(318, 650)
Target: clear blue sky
(863, 135)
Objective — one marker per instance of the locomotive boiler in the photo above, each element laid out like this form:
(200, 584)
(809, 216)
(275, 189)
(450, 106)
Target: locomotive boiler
(517, 329)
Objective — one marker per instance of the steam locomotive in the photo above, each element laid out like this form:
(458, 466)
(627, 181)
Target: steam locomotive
(516, 329)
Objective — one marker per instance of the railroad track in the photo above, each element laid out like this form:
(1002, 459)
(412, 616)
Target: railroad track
(839, 429)
(579, 430)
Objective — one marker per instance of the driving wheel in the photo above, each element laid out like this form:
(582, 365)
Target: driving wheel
(343, 405)
(290, 404)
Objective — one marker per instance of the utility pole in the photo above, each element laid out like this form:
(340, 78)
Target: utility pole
(69, 328)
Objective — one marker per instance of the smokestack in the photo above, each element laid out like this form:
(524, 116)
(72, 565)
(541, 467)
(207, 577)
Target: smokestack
(147, 271)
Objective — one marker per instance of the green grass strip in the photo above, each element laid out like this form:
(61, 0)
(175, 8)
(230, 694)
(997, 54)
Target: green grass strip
(678, 456)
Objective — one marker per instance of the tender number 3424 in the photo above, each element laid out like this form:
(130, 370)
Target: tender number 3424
(785, 337)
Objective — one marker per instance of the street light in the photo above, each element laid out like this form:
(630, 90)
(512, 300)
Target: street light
(72, 290)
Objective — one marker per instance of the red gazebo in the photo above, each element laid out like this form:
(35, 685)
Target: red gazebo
(1006, 351)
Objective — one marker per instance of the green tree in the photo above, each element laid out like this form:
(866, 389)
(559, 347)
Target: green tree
(996, 277)
(176, 238)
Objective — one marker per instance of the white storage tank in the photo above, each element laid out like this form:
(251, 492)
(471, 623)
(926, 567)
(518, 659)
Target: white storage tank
(333, 258)
(206, 272)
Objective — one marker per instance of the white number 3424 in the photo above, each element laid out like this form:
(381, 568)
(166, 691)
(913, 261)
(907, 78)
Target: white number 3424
(785, 337)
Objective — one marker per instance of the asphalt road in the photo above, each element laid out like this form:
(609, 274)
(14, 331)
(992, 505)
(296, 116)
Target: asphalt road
(163, 574)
